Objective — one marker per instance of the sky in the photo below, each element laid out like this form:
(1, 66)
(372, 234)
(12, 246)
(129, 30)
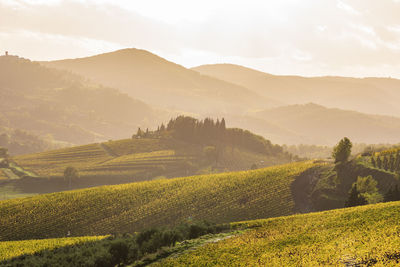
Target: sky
(287, 37)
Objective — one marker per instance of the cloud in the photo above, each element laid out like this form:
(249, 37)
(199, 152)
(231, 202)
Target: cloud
(346, 37)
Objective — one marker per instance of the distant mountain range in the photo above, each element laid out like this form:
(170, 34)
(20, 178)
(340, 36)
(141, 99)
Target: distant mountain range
(157, 81)
(108, 96)
(315, 124)
(368, 95)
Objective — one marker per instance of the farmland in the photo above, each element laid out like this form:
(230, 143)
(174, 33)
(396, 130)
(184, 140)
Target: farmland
(11, 249)
(360, 236)
(219, 198)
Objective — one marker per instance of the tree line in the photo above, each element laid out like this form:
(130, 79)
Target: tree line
(389, 162)
(212, 132)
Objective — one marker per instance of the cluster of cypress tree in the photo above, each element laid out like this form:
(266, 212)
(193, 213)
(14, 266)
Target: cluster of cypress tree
(210, 132)
(389, 162)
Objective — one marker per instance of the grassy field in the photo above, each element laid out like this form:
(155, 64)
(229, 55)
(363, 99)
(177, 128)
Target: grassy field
(12, 249)
(361, 236)
(225, 197)
(145, 158)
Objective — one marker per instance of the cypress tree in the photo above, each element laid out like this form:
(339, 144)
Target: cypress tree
(391, 163)
(379, 162)
(373, 162)
(385, 163)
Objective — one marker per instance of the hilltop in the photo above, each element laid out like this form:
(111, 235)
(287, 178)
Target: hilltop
(367, 95)
(46, 101)
(157, 81)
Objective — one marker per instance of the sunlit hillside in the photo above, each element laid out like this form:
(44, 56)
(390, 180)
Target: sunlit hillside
(45, 101)
(361, 236)
(163, 83)
(225, 197)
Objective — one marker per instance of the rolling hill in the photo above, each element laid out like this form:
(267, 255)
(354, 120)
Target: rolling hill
(186, 146)
(361, 236)
(225, 197)
(358, 236)
(367, 95)
(157, 81)
(315, 124)
(51, 102)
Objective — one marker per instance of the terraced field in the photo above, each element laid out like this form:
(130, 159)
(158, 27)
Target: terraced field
(361, 236)
(225, 197)
(12, 249)
(116, 158)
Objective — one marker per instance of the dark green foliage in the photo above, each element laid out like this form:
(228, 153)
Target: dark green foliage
(341, 152)
(393, 194)
(355, 198)
(209, 132)
(379, 162)
(385, 163)
(254, 166)
(373, 162)
(117, 251)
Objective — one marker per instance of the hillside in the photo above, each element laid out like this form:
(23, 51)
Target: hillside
(185, 146)
(225, 197)
(49, 102)
(361, 236)
(315, 124)
(157, 81)
(367, 95)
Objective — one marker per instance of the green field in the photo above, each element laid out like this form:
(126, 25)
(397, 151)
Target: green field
(12, 249)
(361, 236)
(219, 198)
(139, 159)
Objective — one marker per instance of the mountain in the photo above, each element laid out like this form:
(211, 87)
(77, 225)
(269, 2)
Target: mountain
(367, 95)
(315, 124)
(47, 101)
(157, 81)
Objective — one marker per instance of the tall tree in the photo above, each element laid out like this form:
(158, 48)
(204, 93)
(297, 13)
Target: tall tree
(341, 152)
(379, 162)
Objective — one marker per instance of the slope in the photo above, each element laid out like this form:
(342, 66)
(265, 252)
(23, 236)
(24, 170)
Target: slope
(315, 124)
(361, 236)
(225, 197)
(369, 95)
(157, 81)
(46, 101)
(185, 147)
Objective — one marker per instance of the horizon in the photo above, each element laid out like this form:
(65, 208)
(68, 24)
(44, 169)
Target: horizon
(334, 38)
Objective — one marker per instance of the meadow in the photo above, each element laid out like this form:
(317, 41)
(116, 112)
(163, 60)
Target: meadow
(360, 236)
(219, 198)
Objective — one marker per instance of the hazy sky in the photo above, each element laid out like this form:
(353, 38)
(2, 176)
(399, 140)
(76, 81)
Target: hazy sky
(306, 37)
